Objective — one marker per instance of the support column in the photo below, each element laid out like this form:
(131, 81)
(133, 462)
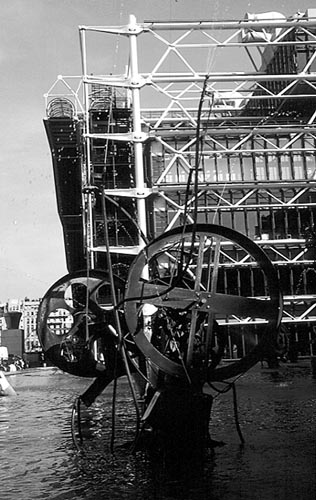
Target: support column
(137, 131)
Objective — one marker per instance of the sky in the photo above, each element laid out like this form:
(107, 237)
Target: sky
(38, 41)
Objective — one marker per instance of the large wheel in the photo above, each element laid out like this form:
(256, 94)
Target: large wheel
(76, 325)
(188, 287)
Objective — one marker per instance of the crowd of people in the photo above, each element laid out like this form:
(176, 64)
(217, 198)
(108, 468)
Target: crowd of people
(12, 364)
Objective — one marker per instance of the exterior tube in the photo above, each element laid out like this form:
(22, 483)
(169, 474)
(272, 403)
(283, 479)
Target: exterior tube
(137, 131)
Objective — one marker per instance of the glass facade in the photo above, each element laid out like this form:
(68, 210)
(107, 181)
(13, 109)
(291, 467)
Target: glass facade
(256, 164)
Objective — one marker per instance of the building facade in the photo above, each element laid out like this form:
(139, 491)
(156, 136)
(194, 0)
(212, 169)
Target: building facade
(28, 321)
(237, 99)
(27, 309)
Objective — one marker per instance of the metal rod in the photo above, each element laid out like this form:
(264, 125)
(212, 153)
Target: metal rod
(212, 24)
(195, 312)
(87, 197)
(136, 112)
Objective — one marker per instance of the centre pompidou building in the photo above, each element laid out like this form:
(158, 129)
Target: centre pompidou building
(238, 98)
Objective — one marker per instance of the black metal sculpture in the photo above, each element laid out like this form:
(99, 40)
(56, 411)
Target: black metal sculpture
(164, 328)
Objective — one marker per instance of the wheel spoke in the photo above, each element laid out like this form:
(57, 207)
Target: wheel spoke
(57, 301)
(192, 310)
(197, 287)
(244, 307)
(219, 303)
(74, 323)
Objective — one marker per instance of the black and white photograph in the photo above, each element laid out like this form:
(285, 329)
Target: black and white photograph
(158, 250)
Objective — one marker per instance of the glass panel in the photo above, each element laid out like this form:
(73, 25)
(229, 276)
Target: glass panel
(286, 173)
(235, 168)
(273, 167)
(261, 173)
(298, 166)
(252, 222)
(222, 167)
(239, 222)
(209, 169)
(247, 168)
(310, 166)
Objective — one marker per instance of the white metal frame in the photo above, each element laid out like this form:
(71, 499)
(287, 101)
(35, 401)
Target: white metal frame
(177, 93)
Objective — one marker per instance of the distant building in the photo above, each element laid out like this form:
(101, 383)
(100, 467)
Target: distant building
(29, 315)
(59, 322)
(14, 305)
(11, 334)
(21, 314)
(2, 320)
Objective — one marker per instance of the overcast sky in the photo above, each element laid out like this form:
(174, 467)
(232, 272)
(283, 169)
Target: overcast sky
(39, 40)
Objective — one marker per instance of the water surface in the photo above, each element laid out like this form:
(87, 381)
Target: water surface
(40, 461)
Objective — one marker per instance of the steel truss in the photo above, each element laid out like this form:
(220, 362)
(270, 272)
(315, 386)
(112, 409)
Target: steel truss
(257, 169)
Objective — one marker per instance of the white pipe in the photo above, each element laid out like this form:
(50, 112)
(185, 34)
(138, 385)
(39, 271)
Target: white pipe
(88, 197)
(137, 131)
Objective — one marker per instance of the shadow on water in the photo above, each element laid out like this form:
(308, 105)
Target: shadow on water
(139, 477)
(39, 460)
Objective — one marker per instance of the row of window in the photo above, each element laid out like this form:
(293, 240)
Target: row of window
(238, 167)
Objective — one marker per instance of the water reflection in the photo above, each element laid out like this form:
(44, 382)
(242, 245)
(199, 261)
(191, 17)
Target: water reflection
(39, 460)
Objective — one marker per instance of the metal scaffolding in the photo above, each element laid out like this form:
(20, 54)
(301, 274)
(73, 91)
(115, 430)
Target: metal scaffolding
(257, 168)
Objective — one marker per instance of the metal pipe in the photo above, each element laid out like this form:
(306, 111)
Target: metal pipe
(87, 197)
(137, 131)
